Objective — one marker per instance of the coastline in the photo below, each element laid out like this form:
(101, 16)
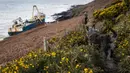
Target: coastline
(73, 11)
(52, 20)
(9, 14)
(21, 44)
(65, 45)
(67, 14)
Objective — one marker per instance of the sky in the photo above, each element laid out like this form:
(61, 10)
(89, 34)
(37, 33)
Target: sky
(47, 1)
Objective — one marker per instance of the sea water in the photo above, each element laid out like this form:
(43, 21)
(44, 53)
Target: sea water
(12, 9)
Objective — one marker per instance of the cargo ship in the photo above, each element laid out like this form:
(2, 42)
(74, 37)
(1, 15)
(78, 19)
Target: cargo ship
(20, 26)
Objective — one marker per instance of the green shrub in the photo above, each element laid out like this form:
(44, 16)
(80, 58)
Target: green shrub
(123, 40)
(72, 38)
(72, 60)
(126, 2)
(124, 65)
(68, 56)
(119, 18)
(111, 12)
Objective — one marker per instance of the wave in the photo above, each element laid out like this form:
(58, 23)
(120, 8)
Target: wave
(24, 11)
(12, 9)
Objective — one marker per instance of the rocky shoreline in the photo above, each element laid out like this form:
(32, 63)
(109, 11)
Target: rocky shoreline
(74, 11)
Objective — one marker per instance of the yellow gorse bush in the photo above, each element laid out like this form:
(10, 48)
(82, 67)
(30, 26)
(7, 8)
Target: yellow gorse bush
(54, 60)
(53, 54)
(64, 59)
(111, 12)
(77, 66)
(87, 70)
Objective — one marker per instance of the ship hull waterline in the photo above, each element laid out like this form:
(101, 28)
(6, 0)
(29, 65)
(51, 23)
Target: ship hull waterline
(26, 28)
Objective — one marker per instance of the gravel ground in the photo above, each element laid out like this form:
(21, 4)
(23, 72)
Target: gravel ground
(19, 45)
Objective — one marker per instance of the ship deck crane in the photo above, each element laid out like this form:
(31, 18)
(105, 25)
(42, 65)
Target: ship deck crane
(39, 14)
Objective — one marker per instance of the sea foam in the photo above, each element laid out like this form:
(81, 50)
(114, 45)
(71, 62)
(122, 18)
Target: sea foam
(12, 9)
